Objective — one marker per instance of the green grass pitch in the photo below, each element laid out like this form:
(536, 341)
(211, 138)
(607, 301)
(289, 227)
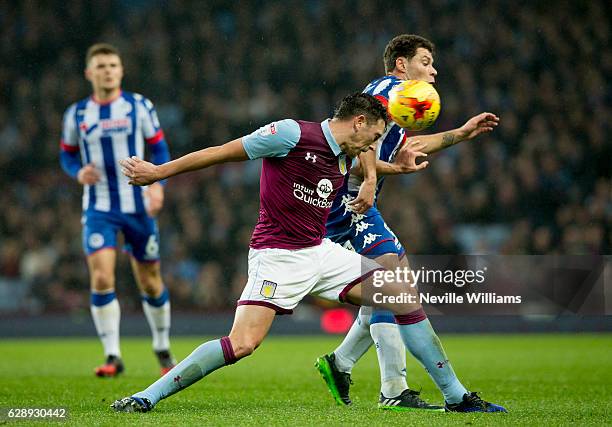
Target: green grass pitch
(542, 379)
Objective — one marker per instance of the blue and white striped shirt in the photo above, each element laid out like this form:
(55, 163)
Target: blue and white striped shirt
(103, 134)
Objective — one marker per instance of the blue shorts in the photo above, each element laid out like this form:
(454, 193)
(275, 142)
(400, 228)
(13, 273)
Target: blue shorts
(139, 230)
(369, 235)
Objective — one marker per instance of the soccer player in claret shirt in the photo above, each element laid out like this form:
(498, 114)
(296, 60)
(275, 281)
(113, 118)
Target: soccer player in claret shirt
(406, 57)
(98, 131)
(304, 165)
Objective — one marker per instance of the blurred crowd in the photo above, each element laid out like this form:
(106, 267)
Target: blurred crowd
(539, 184)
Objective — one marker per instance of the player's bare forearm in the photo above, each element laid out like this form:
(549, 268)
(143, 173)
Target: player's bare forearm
(404, 163)
(231, 152)
(368, 162)
(367, 190)
(482, 123)
(384, 168)
(142, 173)
(440, 141)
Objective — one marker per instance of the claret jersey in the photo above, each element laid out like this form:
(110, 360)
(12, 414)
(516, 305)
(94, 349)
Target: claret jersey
(303, 169)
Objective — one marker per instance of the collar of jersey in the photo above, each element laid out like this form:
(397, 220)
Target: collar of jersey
(330, 138)
(110, 101)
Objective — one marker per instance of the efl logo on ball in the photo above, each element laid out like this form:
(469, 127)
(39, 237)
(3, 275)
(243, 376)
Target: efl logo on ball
(414, 104)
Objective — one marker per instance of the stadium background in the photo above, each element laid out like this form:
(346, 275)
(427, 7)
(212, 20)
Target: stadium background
(540, 184)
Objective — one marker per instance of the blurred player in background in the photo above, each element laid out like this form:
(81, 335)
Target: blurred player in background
(98, 131)
(406, 57)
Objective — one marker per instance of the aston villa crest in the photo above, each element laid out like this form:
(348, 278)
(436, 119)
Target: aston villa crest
(343, 164)
(267, 289)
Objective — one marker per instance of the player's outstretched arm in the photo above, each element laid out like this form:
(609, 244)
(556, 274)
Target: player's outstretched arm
(482, 123)
(141, 172)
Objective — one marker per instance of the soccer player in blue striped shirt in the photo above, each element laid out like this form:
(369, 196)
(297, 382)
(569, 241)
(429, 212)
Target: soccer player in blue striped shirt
(98, 131)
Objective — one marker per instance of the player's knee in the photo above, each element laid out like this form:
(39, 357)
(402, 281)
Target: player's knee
(150, 280)
(395, 296)
(102, 281)
(152, 288)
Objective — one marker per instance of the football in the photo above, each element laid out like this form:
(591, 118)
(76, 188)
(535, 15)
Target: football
(414, 104)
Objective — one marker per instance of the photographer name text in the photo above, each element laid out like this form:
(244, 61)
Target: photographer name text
(447, 298)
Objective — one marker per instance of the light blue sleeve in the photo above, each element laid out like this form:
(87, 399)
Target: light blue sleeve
(273, 140)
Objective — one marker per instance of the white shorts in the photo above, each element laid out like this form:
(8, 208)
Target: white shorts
(280, 278)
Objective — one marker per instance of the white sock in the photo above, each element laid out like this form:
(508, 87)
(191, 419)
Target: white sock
(158, 317)
(106, 318)
(356, 342)
(391, 358)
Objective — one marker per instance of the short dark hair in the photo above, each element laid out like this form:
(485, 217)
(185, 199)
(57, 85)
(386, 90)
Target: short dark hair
(100, 49)
(404, 45)
(361, 103)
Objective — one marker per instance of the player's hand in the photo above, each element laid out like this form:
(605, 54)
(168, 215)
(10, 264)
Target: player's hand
(365, 197)
(88, 174)
(484, 122)
(405, 160)
(139, 171)
(154, 196)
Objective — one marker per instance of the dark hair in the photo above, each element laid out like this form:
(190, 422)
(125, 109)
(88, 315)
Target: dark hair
(361, 103)
(404, 45)
(100, 49)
